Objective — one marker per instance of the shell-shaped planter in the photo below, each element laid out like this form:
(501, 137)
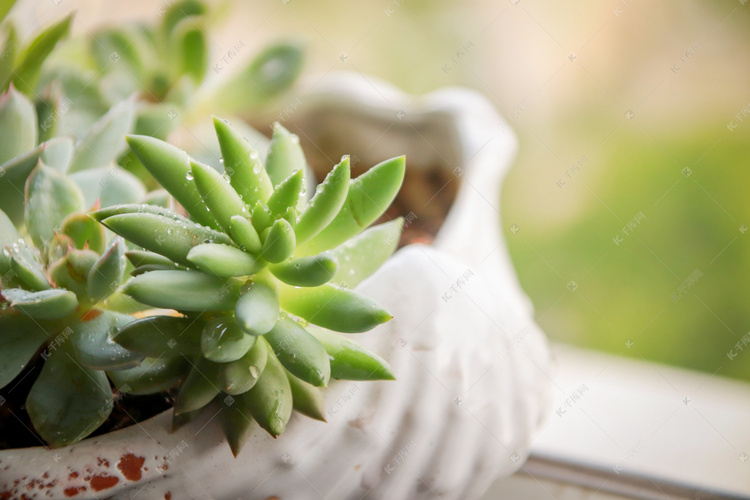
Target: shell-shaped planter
(470, 363)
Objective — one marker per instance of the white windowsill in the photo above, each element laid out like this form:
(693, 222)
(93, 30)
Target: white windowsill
(635, 418)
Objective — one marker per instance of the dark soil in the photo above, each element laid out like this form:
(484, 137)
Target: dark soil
(16, 430)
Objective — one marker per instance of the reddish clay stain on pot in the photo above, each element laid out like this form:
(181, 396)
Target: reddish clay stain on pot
(73, 490)
(5, 495)
(102, 482)
(168, 495)
(130, 466)
(102, 462)
(73, 475)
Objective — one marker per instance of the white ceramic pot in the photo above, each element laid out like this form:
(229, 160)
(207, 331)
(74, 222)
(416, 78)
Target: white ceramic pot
(470, 363)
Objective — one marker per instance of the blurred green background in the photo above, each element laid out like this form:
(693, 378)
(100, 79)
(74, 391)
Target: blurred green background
(627, 210)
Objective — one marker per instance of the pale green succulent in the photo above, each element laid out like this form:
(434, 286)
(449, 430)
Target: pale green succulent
(260, 275)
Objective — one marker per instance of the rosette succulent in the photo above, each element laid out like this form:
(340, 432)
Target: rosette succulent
(260, 276)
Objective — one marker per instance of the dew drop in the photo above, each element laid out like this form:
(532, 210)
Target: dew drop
(189, 175)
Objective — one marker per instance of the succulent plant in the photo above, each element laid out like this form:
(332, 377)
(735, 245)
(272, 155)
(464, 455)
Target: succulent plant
(260, 276)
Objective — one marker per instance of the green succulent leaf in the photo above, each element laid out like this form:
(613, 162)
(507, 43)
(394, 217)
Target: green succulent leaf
(179, 11)
(13, 176)
(68, 402)
(57, 153)
(115, 46)
(26, 266)
(237, 377)
(18, 125)
(307, 399)
(244, 234)
(362, 255)
(8, 236)
(287, 194)
(161, 336)
(368, 197)
(29, 61)
(105, 141)
(237, 423)
(243, 165)
(83, 231)
(326, 203)
(219, 196)
(279, 242)
(21, 339)
(224, 341)
(47, 304)
(93, 343)
(172, 238)
(72, 271)
(270, 399)
(285, 155)
(349, 360)
(334, 308)
(50, 197)
(257, 309)
(170, 166)
(199, 387)
(9, 45)
(306, 271)
(191, 48)
(105, 276)
(223, 260)
(300, 353)
(152, 375)
(261, 217)
(183, 291)
(143, 258)
(135, 208)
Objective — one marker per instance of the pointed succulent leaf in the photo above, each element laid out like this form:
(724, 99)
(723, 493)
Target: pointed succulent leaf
(261, 217)
(223, 340)
(362, 255)
(110, 184)
(126, 45)
(286, 194)
(183, 291)
(48, 304)
(9, 45)
(169, 237)
(334, 308)
(29, 61)
(179, 11)
(84, 231)
(218, 195)
(307, 399)
(72, 271)
(24, 262)
(369, 196)
(18, 125)
(279, 242)
(223, 260)
(270, 399)
(21, 339)
(13, 176)
(170, 166)
(349, 360)
(237, 423)
(243, 165)
(64, 385)
(105, 141)
(257, 310)
(326, 203)
(299, 352)
(50, 197)
(152, 375)
(136, 208)
(306, 271)
(93, 343)
(285, 155)
(58, 247)
(147, 268)
(105, 276)
(57, 153)
(244, 234)
(199, 387)
(158, 336)
(143, 258)
(237, 377)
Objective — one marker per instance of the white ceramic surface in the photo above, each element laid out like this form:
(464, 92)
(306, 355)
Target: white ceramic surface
(471, 365)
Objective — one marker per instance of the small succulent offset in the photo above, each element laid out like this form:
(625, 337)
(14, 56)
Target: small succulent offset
(261, 278)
